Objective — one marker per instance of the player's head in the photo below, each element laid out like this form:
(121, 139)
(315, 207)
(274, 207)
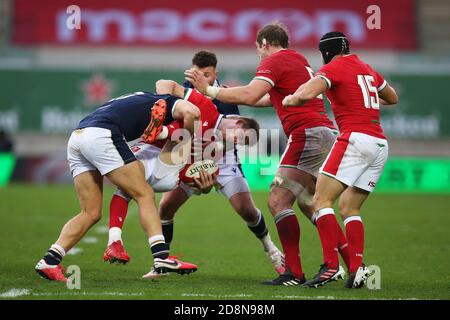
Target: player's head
(240, 130)
(333, 44)
(271, 38)
(206, 62)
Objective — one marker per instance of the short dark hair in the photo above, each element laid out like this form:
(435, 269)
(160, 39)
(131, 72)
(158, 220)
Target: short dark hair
(203, 59)
(332, 44)
(276, 34)
(250, 123)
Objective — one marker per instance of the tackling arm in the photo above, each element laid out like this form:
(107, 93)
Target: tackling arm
(306, 92)
(248, 95)
(186, 112)
(263, 102)
(169, 87)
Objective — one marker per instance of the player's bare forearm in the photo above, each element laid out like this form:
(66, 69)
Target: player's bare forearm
(188, 122)
(169, 87)
(306, 92)
(388, 96)
(248, 95)
(237, 95)
(384, 102)
(264, 102)
(186, 112)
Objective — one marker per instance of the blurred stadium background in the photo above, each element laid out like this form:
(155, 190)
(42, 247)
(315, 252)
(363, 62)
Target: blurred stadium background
(51, 76)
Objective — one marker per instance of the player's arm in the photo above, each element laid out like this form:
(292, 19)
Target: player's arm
(263, 102)
(169, 87)
(388, 95)
(186, 112)
(306, 92)
(248, 95)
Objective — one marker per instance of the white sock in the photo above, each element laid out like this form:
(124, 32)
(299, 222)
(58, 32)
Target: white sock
(268, 243)
(115, 234)
(159, 238)
(59, 249)
(164, 134)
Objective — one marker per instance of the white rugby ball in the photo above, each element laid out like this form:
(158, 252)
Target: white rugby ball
(192, 170)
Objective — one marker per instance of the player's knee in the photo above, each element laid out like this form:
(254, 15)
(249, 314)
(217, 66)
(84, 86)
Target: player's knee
(141, 193)
(346, 211)
(306, 207)
(247, 211)
(94, 215)
(276, 204)
(320, 202)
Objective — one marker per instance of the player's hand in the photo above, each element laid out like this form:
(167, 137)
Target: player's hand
(289, 100)
(205, 181)
(197, 79)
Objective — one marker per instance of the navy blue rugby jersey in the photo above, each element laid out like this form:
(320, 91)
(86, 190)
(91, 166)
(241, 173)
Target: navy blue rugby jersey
(129, 114)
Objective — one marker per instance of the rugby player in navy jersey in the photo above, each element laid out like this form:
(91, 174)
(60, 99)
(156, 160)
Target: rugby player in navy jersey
(98, 147)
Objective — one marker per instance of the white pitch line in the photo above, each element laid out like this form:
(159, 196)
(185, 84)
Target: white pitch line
(101, 229)
(74, 251)
(90, 240)
(14, 293)
(305, 297)
(241, 295)
(84, 293)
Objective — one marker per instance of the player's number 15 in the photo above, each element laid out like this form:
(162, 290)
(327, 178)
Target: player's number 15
(370, 93)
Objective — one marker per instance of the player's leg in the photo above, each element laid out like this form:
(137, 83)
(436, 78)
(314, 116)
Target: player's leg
(237, 191)
(88, 183)
(343, 166)
(170, 202)
(353, 199)
(89, 187)
(287, 184)
(327, 191)
(168, 206)
(350, 205)
(118, 209)
(131, 179)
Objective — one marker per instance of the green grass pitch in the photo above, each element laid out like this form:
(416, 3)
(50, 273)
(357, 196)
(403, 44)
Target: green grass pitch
(407, 236)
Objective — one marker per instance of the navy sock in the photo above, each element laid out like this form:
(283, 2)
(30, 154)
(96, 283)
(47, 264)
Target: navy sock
(160, 250)
(259, 228)
(52, 257)
(167, 229)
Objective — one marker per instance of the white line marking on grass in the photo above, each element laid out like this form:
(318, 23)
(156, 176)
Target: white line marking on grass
(102, 229)
(14, 293)
(210, 295)
(90, 240)
(84, 293)
(74, 251)
(305, 297)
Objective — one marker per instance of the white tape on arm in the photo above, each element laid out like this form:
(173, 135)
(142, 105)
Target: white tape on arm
(212, 91)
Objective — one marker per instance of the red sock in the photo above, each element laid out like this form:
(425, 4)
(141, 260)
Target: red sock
(343, 246)
(327, 226)
(117, 211)
(289, 233)
(355, 237)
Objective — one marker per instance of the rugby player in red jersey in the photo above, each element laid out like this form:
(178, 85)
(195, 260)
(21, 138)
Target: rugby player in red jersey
(310, 132)
(356, 161)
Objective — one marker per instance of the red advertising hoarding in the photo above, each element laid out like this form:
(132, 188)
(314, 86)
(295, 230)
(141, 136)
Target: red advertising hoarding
(224, 24)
